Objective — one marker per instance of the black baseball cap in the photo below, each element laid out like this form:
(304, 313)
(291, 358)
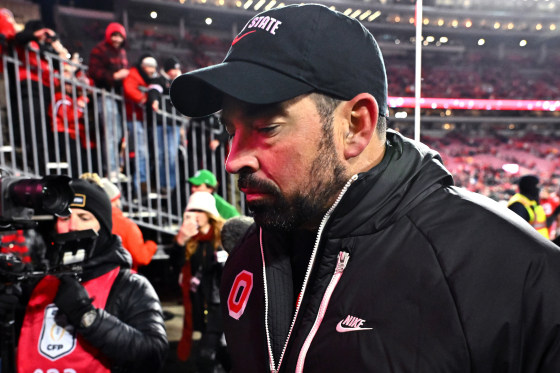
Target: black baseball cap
(286, 52)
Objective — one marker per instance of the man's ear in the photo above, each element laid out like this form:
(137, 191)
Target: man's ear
(362, 121)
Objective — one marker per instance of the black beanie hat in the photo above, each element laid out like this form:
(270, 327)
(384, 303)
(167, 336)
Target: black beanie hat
(171, 63)
(34, 25)
(528, 186)
(92, 198)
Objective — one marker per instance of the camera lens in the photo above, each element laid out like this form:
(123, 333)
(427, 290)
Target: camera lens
(51, 195)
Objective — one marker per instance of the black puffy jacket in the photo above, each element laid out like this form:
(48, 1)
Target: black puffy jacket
(130, 331)
(409, 274)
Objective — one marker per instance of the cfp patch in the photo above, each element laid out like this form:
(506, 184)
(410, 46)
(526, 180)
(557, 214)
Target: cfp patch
(55, 341)
(79, 200)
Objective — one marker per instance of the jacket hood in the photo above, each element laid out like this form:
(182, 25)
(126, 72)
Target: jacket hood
(408, 173)
(112, 28)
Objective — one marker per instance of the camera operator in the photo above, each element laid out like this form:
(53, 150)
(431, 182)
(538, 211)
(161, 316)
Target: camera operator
(109, 321)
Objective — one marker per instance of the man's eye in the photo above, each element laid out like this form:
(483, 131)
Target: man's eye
(268, 129)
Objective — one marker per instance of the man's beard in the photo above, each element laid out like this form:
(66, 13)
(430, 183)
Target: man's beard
(305, 208)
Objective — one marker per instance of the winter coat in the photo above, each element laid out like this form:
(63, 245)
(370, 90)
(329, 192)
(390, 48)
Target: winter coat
(105, 60)
(132, 239)
(130, 331)
(68, 117)
(34, 66)
(226, 209)
(409, 274)
(135, 88)
(7, 34)
(200, 299)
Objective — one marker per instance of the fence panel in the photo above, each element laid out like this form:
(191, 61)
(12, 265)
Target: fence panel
(54, 122)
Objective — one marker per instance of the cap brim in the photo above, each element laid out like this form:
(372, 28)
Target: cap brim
(194, 181)
(200, 92)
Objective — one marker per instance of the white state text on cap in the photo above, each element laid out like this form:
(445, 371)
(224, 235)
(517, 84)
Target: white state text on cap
(267, 23)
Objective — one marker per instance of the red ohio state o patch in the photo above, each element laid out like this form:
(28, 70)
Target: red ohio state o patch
(239, 294)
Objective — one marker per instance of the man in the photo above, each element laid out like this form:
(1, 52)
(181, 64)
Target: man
(36, 80)
(168, 131)
(205, 181)
(526, 204)
(108, 66)
(170, 69)
(131, 236)
(364, 257)
(109, 319)
(139, 108)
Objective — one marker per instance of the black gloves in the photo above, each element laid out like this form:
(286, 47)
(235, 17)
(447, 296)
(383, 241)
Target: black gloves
(73, 300)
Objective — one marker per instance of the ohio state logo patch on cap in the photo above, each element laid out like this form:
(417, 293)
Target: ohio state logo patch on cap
(239, 294)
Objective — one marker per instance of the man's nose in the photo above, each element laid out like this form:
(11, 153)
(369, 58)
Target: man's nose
(242, 155)
(72, 224)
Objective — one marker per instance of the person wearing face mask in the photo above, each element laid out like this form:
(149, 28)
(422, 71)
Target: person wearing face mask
(107, 320)
(199, 239)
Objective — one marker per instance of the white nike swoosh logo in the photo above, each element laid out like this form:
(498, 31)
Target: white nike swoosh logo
(343, 329)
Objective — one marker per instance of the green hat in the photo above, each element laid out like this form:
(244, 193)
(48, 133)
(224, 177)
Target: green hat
(204, 177)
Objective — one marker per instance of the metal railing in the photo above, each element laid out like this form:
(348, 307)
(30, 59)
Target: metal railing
(54, 122)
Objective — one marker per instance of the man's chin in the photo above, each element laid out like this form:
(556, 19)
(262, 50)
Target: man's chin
(271, 218)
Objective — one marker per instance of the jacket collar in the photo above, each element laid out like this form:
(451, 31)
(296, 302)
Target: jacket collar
(408, 173)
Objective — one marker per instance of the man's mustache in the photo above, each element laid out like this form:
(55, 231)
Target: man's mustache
(250, 181)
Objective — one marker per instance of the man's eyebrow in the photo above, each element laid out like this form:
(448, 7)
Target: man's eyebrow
(268, 110)
(253, 112)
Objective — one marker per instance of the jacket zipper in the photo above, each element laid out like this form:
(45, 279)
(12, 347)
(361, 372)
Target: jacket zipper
(340, 265)
(273, 367)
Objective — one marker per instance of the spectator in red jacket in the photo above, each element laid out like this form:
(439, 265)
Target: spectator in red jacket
(130, 234)
(67, 123)
(34, 44)
(7, 31)
(136, 86)
(108, 66)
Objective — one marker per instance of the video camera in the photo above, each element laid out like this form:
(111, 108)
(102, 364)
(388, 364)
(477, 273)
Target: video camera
(21, 200)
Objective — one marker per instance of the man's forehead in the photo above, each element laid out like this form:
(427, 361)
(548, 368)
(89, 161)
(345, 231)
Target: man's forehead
(81, 212)
(234, 107)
